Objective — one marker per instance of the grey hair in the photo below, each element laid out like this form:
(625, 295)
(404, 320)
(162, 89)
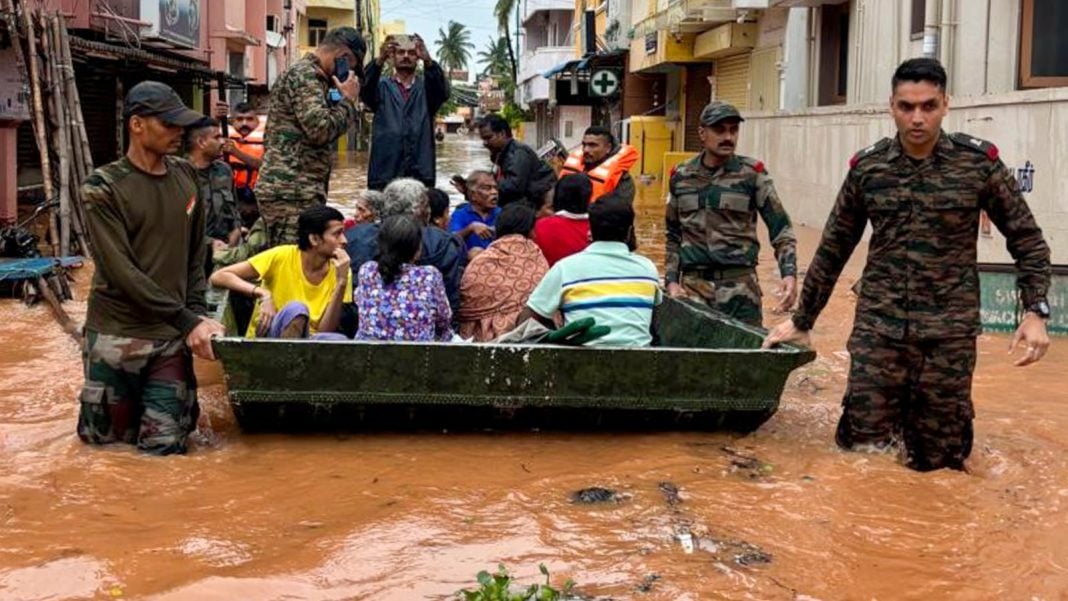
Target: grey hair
(475, 175)
(375, 200)
(402, 196)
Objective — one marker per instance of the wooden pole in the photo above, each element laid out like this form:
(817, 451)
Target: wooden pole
(39, 123)
(65, 322)
(83, 160)
(60, 127)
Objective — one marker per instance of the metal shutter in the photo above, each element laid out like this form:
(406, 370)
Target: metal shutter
(732, 80)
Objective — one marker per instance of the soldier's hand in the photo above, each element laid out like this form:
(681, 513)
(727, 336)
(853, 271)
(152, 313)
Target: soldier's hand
(350, 88)
(1032, 332)
(675, 290)
(199, 338)
(788, 294)
(220, 110)
(784, 333)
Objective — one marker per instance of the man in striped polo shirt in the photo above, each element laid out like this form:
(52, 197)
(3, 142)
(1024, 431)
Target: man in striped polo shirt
(608, 282)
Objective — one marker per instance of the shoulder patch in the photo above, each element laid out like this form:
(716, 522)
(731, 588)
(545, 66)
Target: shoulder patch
(874, 148)
(754, 164)
(976, 144)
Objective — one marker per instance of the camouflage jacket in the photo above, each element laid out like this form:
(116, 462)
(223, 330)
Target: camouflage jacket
(253, 244)
(302, 126)
(216, 189)
(712, 218)
(921, 279)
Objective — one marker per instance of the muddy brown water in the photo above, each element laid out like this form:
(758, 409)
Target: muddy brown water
(416, 516)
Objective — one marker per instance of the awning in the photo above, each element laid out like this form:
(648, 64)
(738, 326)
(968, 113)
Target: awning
(583, 65)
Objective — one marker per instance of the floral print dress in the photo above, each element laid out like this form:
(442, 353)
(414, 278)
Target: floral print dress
(413, 308)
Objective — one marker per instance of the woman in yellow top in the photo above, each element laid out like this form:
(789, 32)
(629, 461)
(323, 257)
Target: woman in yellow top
(302, 287)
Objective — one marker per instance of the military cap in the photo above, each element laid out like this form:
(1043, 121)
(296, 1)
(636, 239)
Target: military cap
(717, 111)
(155, 99)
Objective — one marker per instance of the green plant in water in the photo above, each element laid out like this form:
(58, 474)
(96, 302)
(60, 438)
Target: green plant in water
(501, 587)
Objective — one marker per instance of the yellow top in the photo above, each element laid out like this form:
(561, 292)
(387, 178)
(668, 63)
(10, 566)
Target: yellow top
(282, 274)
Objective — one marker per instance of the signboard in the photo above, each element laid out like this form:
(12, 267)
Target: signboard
(604, 82)
(650, 43)
(14, 93)
(175, 21)
(1000, 298)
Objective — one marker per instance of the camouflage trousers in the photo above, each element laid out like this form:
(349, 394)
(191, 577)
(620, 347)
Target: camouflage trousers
(738, 297)
(280, 219)
(138, 391)
(913, 395)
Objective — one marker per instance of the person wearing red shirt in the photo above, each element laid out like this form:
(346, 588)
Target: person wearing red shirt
(568, 230)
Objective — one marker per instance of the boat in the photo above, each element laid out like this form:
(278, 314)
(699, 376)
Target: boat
(706, 372)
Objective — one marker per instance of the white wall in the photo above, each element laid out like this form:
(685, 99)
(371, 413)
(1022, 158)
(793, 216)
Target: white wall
(807, 152)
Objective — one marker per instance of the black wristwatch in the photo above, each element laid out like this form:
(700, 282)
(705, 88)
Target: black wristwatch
(1040, 307)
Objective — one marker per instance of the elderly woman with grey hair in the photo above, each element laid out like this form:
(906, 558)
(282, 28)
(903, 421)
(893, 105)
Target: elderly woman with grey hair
(369, 206)
(406, 196)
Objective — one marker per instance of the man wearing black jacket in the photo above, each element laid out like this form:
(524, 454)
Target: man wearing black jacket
(520, 174)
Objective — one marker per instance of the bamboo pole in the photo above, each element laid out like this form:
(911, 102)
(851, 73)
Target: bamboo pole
(60, 128)
(39, 120)
(56, 305)
(83, 153)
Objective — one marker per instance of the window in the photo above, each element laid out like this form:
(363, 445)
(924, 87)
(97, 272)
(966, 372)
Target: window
(834, 53)
(919, 15)
(1043, 45)
(316, 31)
(272, 23)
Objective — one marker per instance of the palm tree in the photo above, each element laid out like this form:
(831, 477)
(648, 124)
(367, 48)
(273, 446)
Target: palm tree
(454, 47)
(495, 58)
(503, 11)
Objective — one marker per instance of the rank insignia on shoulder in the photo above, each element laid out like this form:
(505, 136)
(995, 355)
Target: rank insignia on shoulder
(759, 167)
(977, 144)
(880, 145)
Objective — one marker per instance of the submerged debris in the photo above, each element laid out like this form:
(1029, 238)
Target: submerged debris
(671, 493)
(737, 552)
(596, 494)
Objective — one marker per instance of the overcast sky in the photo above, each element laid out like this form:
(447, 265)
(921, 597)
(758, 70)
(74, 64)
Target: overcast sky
(425, 17)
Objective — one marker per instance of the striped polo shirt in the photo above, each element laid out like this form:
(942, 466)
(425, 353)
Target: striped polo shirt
(607, 282)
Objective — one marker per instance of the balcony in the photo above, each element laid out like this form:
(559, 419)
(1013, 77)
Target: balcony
(534, 6)
(533, 86)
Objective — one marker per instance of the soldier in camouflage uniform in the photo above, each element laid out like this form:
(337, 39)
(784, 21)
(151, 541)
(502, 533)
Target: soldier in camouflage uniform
(215, 179)
(302, 126)
(712, 244)
(146, 305)
(913, 343)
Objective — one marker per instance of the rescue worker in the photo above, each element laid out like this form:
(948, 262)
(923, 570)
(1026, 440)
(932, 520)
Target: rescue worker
(305, 122)
(606, 163)
(913, 346)
(712, 244)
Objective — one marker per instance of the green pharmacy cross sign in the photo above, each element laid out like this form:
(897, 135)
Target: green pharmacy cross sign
(604, 83)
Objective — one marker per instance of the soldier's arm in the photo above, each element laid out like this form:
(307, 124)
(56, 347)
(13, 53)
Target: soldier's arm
(843, 231)
(673, 239)
(1003, 202)
(780, 230)
(320, 122)
(196, 280)
(113, 257)
(437, 88)
(369, 86)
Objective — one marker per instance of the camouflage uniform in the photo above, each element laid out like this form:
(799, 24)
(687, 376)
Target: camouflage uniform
(138, 391)
(302, 125)
(712, 244)
(913, 342)
(216, 189)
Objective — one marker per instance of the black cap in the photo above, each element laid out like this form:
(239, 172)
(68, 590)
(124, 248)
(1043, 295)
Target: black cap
(155, 99)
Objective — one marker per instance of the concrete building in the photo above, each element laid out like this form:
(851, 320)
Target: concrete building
(324, 15)
(547, 40)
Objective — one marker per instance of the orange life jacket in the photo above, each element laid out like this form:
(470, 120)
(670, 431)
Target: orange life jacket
(605, 177)
(245, 176)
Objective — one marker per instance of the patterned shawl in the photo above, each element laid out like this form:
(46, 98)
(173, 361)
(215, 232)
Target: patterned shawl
(496, 286)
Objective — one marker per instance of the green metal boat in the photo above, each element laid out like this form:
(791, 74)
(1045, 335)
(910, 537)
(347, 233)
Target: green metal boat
(707, 372)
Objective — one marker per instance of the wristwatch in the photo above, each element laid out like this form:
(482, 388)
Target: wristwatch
(1040, 307)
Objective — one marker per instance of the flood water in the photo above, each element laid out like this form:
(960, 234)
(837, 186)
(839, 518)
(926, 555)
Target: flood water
(416, 516)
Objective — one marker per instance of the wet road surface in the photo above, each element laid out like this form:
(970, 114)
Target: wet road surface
(416, 516)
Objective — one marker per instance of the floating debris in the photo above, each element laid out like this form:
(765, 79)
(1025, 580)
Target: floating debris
(596, 494)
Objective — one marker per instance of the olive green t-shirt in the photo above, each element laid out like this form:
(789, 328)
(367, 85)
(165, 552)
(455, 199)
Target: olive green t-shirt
(147, 234)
